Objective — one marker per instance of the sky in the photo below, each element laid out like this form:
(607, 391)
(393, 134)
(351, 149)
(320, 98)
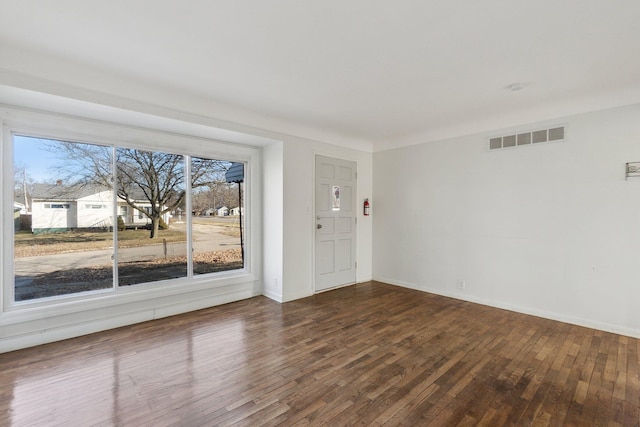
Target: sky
(32, 153)
(40, 162)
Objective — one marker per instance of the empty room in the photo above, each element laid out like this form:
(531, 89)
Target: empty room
(284, 212)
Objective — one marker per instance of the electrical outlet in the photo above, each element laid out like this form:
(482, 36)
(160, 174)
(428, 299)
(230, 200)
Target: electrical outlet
(462, 284)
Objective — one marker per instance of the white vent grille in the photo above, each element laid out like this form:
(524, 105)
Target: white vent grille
(554, 134)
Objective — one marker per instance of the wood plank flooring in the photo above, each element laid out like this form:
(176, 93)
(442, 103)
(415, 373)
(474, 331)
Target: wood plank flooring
(370, 354)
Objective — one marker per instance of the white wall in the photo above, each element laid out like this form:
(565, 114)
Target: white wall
(299, 216)
(89, 217)
(53, 218)
(551, 229)
(272, 157)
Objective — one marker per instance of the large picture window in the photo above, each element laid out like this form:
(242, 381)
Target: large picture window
(93, 217)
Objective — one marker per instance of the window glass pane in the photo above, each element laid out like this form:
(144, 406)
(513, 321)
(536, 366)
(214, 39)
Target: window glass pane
(151, 244)
(63, 210)
(217, 215)
(335, 197)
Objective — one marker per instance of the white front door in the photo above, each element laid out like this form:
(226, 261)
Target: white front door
(335, 248)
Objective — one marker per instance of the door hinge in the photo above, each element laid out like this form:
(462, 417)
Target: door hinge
(356, 264)
(356, 220)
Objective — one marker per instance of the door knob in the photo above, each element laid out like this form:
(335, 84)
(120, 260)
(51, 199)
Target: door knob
(319, 226)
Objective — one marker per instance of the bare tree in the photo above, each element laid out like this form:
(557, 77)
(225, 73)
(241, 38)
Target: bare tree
(151, 182)
(150, 176)
(23, 184)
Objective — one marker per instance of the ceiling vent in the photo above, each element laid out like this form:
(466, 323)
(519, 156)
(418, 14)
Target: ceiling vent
(554, 134)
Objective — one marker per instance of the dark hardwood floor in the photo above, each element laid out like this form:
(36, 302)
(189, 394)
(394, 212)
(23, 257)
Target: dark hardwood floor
(369, 354)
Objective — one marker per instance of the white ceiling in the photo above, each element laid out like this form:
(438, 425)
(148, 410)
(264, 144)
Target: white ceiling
(390, 72)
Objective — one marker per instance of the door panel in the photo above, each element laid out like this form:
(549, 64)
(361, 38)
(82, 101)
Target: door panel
(335, 223)
(327, 170)
(343, 258)
(323, 199)
(327, 226)
(346, 202)
(344, 173)
(325, 257)
(343, 225)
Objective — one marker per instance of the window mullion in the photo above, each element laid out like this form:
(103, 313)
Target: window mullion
(187, 213)
(114, 256)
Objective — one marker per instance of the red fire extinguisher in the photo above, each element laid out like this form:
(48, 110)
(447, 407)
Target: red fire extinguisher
(367, 206)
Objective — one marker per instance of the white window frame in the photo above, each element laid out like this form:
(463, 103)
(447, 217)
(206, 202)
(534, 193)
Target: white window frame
(53, 126)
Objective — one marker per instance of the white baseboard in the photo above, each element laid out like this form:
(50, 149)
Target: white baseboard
(587, 323)
(87, 326)
(272, 295)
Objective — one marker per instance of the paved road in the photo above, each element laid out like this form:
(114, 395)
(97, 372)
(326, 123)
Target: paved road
(207, 237)
(215, 219)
